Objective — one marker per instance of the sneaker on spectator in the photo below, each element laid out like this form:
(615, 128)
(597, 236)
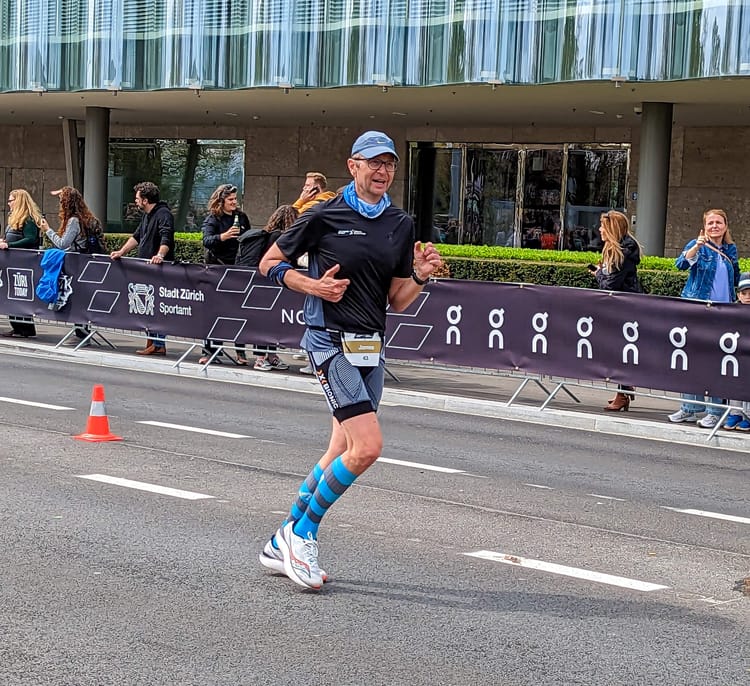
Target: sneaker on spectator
(262, 364)
(271, 558)
(744, 425)
(732, 421)
(682, 416)
(300, 557)
(307, 369)
(709, 421)
(276, 363)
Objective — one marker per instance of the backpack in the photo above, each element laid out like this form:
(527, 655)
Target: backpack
(94, 240)
(253, 245)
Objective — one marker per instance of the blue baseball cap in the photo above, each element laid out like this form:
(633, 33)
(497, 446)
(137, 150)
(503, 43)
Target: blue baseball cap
(744, 281)
(373, 143)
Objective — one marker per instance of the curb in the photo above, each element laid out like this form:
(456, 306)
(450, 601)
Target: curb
(585, 421)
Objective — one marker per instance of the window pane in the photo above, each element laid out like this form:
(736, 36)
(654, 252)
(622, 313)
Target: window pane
(186, 172)
(540, 227)
(596, 184)
(490, 202)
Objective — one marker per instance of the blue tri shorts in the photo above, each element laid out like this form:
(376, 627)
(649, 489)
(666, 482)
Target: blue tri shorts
(349, 391)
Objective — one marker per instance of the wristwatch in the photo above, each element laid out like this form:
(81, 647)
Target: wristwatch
(417, 280)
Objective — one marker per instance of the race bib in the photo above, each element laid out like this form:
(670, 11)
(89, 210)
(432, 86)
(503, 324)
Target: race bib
(362, 349)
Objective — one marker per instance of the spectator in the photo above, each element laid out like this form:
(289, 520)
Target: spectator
(714, 273)
(253, 246)
(76, 220)
(221, 227)
(740, 420)
(22, 231)
(154, 239)
(313, 192)
(618, 271)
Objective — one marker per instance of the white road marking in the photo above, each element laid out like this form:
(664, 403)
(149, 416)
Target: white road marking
(586, 574)
(546, 488)
(195, 429)
(606, 497)
(141, 486)
(419, 465)
(713, 515)
(44, 406)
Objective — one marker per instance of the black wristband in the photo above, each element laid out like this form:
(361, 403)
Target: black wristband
(417, 280)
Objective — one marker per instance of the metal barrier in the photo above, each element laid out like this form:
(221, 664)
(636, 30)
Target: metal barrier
(551, 386)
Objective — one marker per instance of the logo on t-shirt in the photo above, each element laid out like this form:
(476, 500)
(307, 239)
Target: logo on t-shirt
(351, 232)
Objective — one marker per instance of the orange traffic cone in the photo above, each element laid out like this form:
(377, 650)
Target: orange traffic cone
(97, 428)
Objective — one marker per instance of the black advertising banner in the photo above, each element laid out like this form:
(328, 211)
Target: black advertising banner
(640, 340)
(650, 341)
(185, 300)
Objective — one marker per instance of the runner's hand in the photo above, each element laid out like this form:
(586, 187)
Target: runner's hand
(426, 259)
(330, 288)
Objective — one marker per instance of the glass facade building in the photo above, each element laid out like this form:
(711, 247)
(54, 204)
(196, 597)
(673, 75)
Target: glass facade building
(511, 184)
(148, 45)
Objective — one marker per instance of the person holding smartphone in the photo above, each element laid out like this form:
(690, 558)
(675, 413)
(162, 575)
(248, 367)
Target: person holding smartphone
(313, 192)
(618, 271)
(714, 272)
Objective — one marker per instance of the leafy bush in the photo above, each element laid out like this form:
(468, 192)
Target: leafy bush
(188, 246)
(658, 275)
(488, 252)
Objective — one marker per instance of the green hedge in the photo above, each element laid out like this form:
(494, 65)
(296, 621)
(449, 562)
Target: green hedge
(658, 275)
(188, 246)
(525, 271)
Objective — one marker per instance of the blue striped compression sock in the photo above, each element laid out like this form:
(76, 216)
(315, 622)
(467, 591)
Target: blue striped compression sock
(304, 494)
(336, 479)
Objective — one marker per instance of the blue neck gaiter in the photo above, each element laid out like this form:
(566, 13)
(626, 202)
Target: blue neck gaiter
(365, 208)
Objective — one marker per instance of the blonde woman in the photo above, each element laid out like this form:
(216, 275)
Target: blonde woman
(22, 231)
(618, 271)
(713, 273)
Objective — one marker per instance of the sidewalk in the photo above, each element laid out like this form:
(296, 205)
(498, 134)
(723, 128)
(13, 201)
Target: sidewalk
(475, 392)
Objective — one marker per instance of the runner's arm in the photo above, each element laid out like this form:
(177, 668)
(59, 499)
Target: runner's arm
(275, 266)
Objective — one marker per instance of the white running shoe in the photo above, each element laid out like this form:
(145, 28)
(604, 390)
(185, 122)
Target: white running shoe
(300, 557)
(277, 363)
(709, 421)
(682, 416)
(271, 558)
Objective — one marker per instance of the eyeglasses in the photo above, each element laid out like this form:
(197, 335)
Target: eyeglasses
(389, 165)
(227, 189)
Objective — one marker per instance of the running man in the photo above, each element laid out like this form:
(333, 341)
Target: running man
(362, 257)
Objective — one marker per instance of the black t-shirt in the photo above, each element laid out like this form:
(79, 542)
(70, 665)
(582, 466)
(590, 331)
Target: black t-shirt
(371, 252)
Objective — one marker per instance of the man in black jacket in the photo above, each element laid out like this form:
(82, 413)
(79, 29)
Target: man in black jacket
(154, 238)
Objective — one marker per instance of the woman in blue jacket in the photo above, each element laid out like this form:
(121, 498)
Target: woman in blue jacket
(714, 273)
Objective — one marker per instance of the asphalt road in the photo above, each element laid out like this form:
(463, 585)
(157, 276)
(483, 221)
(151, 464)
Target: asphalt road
(445, 558)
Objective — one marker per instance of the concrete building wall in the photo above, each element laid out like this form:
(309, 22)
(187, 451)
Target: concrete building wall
(709, 170)
(708, 166)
